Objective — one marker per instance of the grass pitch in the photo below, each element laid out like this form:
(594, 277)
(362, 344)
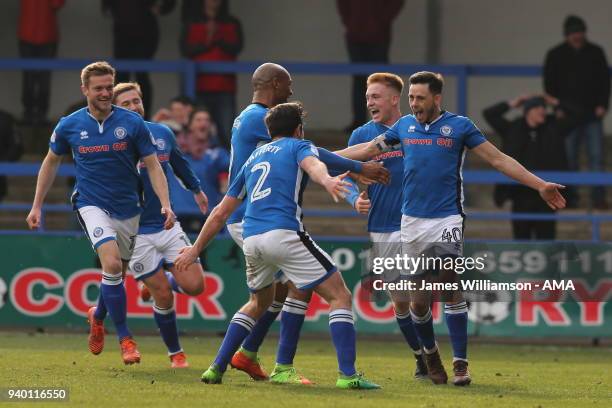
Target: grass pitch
(503, 375)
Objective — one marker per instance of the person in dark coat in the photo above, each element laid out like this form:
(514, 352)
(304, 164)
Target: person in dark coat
(536, 140)
(367, 26)
(577, 71)
(136, 36)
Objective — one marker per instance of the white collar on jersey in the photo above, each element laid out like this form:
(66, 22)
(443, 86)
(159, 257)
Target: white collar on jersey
(101, 125)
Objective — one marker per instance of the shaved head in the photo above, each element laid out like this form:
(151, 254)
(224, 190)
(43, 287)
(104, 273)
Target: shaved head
(265, 73)
(271, 84)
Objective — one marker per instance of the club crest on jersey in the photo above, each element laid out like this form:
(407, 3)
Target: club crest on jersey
(446, 130)
(84, 134)
(120, 133)
(138, 267)
(161, 144)
(97, 232)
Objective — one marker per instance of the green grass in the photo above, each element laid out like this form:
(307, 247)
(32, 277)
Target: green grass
(503, 375)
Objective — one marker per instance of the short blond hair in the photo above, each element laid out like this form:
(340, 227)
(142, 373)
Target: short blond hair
(97, 68)
(387, 78)
(124, 87)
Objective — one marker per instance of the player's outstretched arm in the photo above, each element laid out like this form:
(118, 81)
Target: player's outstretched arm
(367, 150)
(46, 175)
(316, 169)
(214, 223)
(513, 169)
(160, 186)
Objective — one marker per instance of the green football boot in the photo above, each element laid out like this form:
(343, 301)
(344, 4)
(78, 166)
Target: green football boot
(355, 382)
(212, 375)
(286, 374)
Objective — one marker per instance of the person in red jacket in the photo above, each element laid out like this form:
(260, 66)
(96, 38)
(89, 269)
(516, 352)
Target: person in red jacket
(38, 37)
(368, 37)
(215, 35)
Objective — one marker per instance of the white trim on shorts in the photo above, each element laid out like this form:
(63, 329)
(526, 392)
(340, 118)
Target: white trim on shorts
(100, 227)
(302, 261)
(152, 251)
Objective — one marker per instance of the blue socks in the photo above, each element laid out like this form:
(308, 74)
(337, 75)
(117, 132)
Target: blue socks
(113, 292)
(239, 328)
(166, 321)
(342, 328)
(404, 321)
(100, 313)
(457, 322)
(258, 334)
(175, 286)
(292, 318)
(424, 329)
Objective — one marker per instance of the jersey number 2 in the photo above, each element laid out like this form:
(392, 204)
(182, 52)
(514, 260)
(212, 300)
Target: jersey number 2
(258, 193)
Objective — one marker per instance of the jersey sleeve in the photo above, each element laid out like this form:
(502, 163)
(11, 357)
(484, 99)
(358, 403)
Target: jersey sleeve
(180, 166)
(473, 136)
(237, 188)
(58, 143)
(338, 164)
(143, 138)
(304, 149)
(351, 197)
(392, 135)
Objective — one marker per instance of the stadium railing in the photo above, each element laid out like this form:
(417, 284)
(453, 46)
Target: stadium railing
(461, 72)
(189, 70)
(469, 177)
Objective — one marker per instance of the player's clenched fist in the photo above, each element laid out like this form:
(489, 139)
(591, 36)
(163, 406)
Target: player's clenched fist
(362, 203)
(33, 218)
(170, 217)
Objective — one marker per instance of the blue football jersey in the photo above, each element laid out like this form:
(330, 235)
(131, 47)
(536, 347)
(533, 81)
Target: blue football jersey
(209, 169)
(248, 132)
(174, 164)
(386, 201)
(433, 162)
(272, 182)
(105, 156)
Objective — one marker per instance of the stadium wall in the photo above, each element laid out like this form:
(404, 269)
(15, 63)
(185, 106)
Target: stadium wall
(50, 281)
(472, 31)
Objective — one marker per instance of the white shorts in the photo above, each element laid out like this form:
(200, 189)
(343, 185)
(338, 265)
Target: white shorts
(381, 239)
(235, 230)
(101, 227)
(434, 237)
(295, 253)
(153, 251)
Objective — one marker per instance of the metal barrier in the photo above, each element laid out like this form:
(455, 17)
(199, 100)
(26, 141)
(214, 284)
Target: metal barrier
(469, 177)
(189, 70)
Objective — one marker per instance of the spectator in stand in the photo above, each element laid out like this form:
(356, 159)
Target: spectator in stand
(177, 118)
(536, 140)
(577, 71)
(367, 26)
(214, 35)
(136, 36)
(210, 164)
(11, 148)
(38, 38)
